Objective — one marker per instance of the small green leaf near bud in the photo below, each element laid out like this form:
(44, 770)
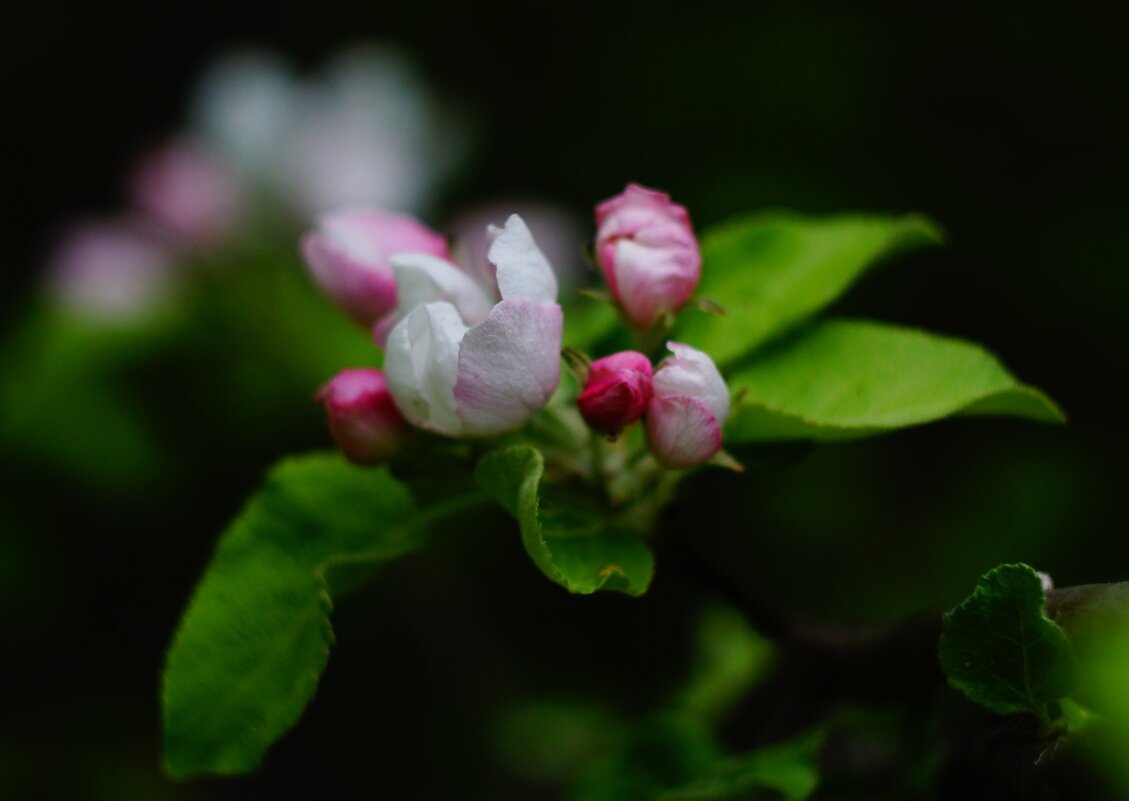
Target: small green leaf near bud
(1001, 650)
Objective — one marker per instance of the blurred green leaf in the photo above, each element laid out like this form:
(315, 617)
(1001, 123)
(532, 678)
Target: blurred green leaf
(731, 658)
(675, 757)
(255, 638)
(660, 752)
(843, 379)
(770, 271)
(1106, 731)
(546, 740)
(789, 769)
(589, 321)
(1001, 650)
(569, 535)
(63, 397)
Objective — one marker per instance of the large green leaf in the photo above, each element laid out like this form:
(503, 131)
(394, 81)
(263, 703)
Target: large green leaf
(842, 379)
(771, 271)
(1000, 649)
(255, 638)
(570, 536)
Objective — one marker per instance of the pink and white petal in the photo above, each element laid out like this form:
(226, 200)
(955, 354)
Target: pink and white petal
(650, 279)
(422, 365)
(370, 235)
(509, 366)
(364, 290)
(691, 372)
(682, 431)
(422, 278)
(523, 272)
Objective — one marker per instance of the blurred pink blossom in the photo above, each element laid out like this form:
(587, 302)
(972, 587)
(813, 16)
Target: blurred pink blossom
(188, 190)
(110, 270)
(348, 255)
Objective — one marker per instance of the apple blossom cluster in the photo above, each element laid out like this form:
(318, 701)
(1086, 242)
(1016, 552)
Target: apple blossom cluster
(473, 350)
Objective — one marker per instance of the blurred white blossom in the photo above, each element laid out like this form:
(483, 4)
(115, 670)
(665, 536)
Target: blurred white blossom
(364, 131)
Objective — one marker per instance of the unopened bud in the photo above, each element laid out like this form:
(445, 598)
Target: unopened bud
(688, 409)
(617, 391)
(363, 418)
(348, 256)
(648, 254)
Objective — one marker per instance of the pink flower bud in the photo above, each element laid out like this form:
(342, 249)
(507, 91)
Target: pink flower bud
(688, 408)
(617, 391)
(647, 252)
(348, 256)
(363, 419)
(188, 191)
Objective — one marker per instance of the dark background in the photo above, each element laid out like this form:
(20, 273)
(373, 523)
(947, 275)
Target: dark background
(1004, 121)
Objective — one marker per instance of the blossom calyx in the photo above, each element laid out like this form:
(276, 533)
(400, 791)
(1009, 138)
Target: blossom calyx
(648, 254)
(617, 391)
(363, 418)
(687, 410)
(348, 255)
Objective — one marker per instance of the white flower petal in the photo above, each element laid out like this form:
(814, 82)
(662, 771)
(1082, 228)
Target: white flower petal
(692, 373)
(523, 270)
(509, 365)
(422, 278)
(422, 364)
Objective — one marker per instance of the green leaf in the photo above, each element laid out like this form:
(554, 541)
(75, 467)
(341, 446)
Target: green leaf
(1000, 649)
(255, 638)
(772, 271)
(790, 768)
(570, 536)
(843, 379)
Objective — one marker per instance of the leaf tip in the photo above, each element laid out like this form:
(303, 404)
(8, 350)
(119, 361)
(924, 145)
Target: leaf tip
(924, 228)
